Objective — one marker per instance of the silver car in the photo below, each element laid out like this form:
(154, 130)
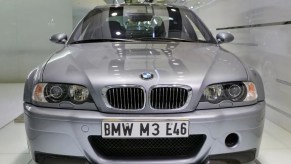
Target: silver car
(143, 83)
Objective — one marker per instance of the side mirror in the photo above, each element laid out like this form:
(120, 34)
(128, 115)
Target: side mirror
(59, 38)
(224, 37)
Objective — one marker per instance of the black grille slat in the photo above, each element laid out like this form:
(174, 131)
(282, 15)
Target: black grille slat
(120, 98)
(113, 95)
(138, 97)
(185, 96)
(130, 97)
(168, 97)
(167, 102)
(148, 148)
(175, 98)
(178, 98)
(134, 100)
(126, 98)
(172, 99)
(163, 97)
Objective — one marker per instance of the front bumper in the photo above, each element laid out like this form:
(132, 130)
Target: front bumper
(66, 132)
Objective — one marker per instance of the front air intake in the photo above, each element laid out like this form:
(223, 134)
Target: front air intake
(148, 148)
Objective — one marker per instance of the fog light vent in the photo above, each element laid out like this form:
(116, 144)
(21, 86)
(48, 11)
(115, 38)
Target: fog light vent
(231, 140)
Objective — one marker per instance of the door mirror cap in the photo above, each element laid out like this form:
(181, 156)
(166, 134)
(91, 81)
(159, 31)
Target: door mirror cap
(59, 38)
(224, 37)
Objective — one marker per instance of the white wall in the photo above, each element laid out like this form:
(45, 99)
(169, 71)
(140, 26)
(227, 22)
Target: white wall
(266, 48)
(82, 7)
(26, 26)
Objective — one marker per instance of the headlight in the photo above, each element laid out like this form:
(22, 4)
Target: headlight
(78, 93)
(56, 93)
(235, 91)
(214, 93)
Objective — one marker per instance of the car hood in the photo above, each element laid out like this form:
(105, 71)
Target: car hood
(96, 65)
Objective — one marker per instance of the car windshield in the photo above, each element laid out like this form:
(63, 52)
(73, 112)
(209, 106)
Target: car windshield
(141, 22)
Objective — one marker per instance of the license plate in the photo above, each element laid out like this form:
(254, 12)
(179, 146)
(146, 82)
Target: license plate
(168, 129)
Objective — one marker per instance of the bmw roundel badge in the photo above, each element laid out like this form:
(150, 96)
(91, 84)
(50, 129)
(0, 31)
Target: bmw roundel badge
(147, 76)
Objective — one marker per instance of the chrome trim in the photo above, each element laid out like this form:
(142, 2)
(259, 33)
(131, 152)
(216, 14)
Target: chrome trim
(106, 88)
(188, 88)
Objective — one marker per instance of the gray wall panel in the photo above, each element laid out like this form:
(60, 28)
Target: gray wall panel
(24, 36)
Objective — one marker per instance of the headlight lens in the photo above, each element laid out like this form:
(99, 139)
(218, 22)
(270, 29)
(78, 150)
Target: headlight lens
(56, 93)
(214, 93)
(235, 91)
(78, 93)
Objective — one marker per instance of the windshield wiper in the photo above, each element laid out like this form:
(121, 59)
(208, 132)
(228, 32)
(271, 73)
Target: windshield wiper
(163, 39)
(101, 40)
(168, 39)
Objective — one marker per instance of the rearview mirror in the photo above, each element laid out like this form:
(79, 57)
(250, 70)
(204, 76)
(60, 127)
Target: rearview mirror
(140, 17)
(59, 38)
(224, 37)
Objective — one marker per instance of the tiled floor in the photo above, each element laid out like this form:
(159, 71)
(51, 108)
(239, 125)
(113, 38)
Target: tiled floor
(10, 109)
(276, 145)
(275, 148)
(13, 147)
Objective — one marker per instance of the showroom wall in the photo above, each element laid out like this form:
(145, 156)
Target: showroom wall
(82, 7)
(26, 26)
(24, 34)
(262, 30)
